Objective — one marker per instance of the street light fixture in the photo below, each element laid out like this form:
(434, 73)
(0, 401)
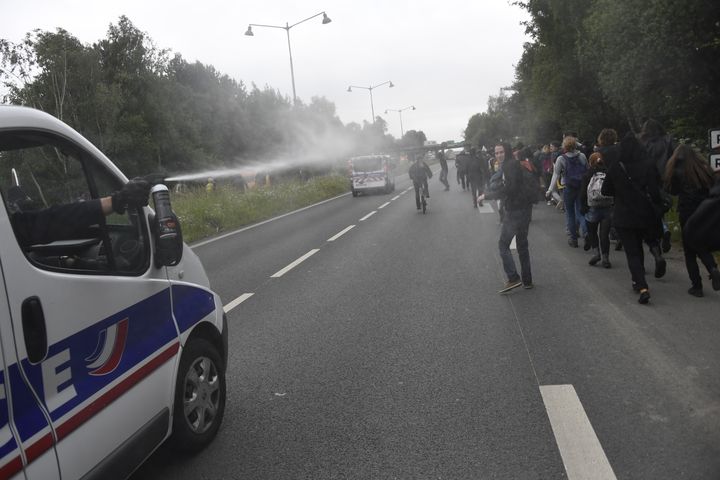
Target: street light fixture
(411, 107)
(389, 83)
(287, 28)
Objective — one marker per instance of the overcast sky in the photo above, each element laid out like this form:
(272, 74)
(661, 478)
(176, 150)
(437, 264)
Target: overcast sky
(444, 57)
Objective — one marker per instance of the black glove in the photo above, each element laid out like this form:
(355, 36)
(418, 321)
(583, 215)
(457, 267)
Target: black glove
(133, 194)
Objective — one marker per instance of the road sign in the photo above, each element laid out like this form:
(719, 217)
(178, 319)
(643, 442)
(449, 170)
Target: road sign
(715, 162)
(714, 138)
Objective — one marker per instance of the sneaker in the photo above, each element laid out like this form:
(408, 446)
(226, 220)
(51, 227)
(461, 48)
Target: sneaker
(586, 243)
(715, 277)
(666, 245)
(510, 286)
(606, 263)
(660, 267)
(635, 288)
(480, 203)
(550, 203)
(644, 296)
(696, 291)
(528, 286)
(594, 259)
(573, 242)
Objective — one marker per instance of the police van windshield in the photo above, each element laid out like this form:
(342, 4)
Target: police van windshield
(368, 164)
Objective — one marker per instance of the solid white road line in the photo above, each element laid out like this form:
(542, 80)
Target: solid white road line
(395, 197)
(295, 263)
(368, 215)
(513, 245)
(340, 234)
(237, 302)
(383, 205)
(579, 447)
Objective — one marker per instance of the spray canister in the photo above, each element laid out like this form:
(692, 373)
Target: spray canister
(168, 237)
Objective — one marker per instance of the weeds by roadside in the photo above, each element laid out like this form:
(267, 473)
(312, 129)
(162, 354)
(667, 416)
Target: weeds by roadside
(204, 214)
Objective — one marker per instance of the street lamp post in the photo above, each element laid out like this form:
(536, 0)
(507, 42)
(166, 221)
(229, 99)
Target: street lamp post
(411, 107)
(389, 83)
(287, 28)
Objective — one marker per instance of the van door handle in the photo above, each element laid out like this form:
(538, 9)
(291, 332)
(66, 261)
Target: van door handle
(34, 331)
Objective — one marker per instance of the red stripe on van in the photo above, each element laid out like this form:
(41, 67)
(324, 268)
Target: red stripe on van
(39, 447)
(111, 395)
(45, 443)
(11, 468)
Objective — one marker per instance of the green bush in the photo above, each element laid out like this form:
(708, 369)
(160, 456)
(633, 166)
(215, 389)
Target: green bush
(203, 214)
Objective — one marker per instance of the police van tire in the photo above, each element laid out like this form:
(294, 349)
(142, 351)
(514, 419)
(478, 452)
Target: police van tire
(355, 193)
(199, 397)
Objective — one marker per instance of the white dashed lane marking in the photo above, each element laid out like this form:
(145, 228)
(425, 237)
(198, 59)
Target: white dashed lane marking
(295, 263)
(340, 234)
(383, 205)
(580, 449)
(237, 302)
(368, 215)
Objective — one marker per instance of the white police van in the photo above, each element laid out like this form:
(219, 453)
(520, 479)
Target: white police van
(371, 173)
(107, 349)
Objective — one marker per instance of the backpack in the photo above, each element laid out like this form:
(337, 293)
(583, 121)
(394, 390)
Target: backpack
(529, 191)
(574, 171)
(595, 198)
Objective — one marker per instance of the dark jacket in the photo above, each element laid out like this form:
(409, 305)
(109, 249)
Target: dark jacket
(689, 196)
(476, 168)
(419, 173)
(506, 185)
(635, 183)
(59, 222)
(659, 150)
(461, 162)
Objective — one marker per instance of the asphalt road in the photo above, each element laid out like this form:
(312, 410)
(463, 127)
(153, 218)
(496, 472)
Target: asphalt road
(388, 354)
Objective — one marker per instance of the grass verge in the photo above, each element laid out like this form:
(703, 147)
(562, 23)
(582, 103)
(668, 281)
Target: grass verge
(203, 214)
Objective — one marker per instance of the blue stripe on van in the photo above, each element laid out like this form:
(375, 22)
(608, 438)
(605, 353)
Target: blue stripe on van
(190, 305)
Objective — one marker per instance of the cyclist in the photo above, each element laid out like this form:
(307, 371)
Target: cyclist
(419, 173)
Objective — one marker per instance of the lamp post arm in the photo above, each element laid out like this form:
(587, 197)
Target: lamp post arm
(268, 26)
(301, 21)
(380, 84)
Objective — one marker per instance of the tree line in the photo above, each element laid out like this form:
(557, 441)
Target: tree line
(593, 64)
(152, 111)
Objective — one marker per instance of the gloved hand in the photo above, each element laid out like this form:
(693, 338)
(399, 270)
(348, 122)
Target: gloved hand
(134, 194)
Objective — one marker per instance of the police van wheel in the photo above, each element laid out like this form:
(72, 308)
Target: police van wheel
(199, 397)
(355, 193)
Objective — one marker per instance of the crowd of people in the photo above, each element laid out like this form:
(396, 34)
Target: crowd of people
(614, 190)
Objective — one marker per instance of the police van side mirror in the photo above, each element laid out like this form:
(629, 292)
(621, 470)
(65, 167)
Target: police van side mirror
(165, 229)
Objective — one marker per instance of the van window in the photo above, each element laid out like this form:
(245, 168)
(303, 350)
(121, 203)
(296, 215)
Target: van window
(40, 176)
(368, 164)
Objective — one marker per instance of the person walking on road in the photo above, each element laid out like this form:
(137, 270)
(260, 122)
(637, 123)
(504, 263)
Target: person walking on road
(635, 184)
(461, 161)
(518, 192)
(476, 176)
(443, 169)
(689, 176)
(660, 148)
(419, 173)
(597, 209)
(570, 168)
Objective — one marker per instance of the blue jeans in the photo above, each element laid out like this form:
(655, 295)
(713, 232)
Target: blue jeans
(516, 223)
(573, 217)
